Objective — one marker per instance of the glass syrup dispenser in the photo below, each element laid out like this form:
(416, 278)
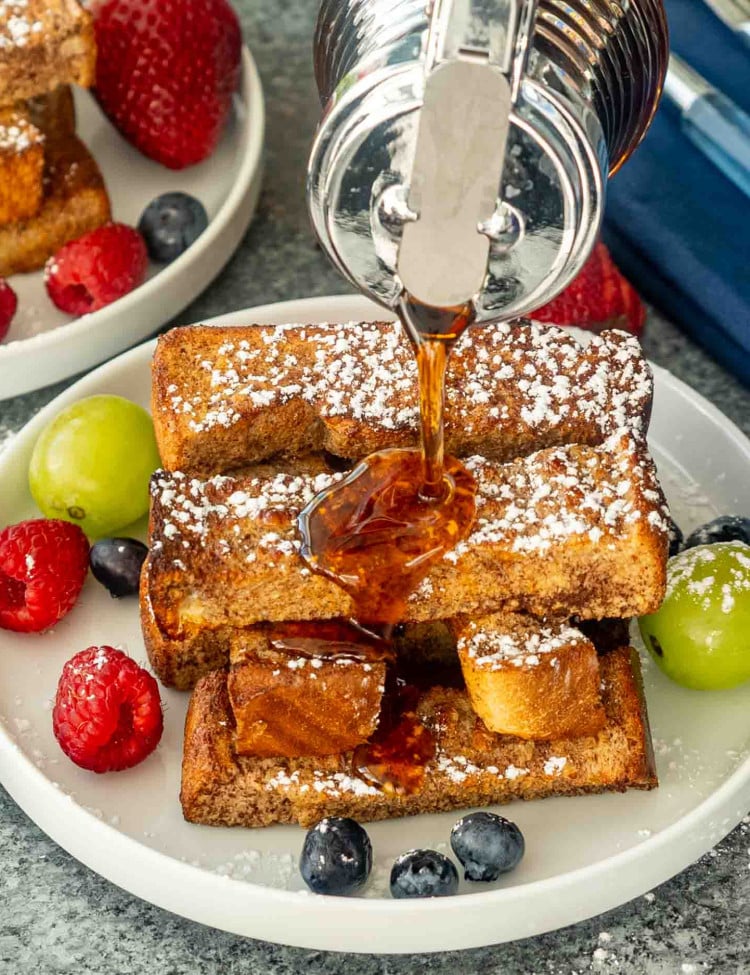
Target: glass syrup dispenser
(465, 145)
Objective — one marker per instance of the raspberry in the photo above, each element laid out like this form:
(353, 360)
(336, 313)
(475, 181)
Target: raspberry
(166, 71)
(107, 715)
(8, 305)
(97, 269)
(600, 297)
(43, 565)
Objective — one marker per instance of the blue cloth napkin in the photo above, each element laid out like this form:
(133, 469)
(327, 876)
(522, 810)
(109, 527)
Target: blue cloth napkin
(676, 226)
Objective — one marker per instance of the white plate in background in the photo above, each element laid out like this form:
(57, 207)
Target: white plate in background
(44, 344)
(584, 855)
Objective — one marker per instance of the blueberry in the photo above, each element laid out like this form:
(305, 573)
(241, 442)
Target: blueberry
(336, 857)
(487, 845)
(423, 873)
(727, 528)
(116, 563)
(676, 538)
(170, 224)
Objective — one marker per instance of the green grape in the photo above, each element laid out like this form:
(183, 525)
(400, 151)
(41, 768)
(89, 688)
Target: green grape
(92, 464)
(700, 637)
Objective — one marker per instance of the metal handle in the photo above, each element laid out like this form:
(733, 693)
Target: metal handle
(474, 58)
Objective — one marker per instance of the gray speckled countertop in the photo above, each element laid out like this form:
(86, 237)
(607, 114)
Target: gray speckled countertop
(56, 916)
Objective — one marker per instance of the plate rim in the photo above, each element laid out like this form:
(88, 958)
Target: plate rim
(244, 190)
(122, 852)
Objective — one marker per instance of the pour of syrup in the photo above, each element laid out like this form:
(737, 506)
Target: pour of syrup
(433, 333)
(377, 533)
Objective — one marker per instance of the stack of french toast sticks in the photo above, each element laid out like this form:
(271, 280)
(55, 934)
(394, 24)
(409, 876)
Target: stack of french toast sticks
(51, 190)
(514, 647)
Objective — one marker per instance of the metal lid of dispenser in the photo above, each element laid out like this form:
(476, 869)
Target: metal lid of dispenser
(457, 159)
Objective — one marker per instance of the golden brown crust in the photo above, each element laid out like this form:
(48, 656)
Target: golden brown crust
(224, 397)
(530, 678)
(44, 44)
(180, 661)
(473, 767)
(21, 166)
(75, 199)
(25, 130)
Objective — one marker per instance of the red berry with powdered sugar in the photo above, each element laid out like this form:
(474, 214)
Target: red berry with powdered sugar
(107, 715)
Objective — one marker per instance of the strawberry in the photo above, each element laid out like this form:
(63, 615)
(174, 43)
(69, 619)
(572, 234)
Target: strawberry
(598, 298)
(166, 72)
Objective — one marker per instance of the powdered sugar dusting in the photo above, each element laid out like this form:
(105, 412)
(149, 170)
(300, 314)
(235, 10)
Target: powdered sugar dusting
(525, 506)
(559, 493)
(189, 509)
(456, 768)
(492, 648)
(530, 377)
(17, 26)
(359, 370)
(555, 764)
(17, 134)
(555, 381)
(332, 784)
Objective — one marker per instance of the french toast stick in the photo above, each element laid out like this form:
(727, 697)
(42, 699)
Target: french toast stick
(293, 704)
(570, 530)
(471, 767)
(25, 128)
(225, 397)
(530, 678)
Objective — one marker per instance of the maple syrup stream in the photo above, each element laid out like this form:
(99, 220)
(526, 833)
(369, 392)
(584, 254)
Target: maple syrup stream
(433, 333)
(377, 533)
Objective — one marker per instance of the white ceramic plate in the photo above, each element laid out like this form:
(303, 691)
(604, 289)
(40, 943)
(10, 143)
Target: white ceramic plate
(43, 344)
(584, 855)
